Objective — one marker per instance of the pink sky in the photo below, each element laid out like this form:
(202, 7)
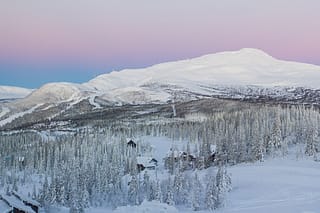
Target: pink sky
(118, 33)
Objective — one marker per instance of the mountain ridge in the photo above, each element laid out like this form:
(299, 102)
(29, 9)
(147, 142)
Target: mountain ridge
(244, 74)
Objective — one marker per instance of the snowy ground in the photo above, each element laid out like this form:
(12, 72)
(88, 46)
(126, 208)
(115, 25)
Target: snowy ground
(278, 185)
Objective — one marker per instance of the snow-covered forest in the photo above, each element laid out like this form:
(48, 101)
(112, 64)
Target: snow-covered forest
(95, 166)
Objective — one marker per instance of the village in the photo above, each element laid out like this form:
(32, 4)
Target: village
(174, 158)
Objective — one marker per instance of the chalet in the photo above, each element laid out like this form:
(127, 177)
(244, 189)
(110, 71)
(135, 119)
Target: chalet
(146, 163)
(132, 144)
(27, 201)
(15, 205)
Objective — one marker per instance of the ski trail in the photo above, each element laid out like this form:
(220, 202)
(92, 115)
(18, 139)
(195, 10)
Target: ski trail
(17, 115)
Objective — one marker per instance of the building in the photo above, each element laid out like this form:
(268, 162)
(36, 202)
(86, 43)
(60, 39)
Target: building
(146, 163)
(132, 144)
(15, 205)
(27, 201)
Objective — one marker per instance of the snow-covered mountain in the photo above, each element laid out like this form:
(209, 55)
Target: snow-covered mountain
(9, 92)
(244, 74)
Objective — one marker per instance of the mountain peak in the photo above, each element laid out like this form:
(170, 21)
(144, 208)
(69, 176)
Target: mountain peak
(243, 54)
(253, 51)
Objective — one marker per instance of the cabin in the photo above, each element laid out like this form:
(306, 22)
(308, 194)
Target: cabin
(15, 205)
(146, 163)
(132, 144)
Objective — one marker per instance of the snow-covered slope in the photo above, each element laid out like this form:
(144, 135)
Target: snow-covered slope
(54, 93)
(198, 76)
(9, 92)
(243, 67)
(230, 74)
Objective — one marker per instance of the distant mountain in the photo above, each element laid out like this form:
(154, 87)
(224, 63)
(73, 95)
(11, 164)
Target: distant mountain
(244, 74)
(9, 92)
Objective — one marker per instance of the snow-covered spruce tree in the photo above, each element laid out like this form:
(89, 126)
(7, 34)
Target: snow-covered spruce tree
(312, 141)
(275, 140)
(211, 198)
(223, 185)
(157, 192)
(196, 193)
(133, 191)
(178, 188)
(169, 193)
(146, 189)
(257, 143)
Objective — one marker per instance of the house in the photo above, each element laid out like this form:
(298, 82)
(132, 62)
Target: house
(15, 205)
(146, 163)
(132, 144)
(27, 201)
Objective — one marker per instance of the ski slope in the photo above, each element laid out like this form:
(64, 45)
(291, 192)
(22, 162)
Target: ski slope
(277, 186)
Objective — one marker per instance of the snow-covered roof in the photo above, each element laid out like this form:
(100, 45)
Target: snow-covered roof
(26, 199)
(213, 148)
(16, 203)
(145, 161)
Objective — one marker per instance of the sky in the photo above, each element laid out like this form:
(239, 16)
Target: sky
(75, 40)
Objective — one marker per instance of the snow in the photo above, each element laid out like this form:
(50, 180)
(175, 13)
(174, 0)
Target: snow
(9, 92)
(54, 92)
(152, 206)
(17, 115)
(160, 145)
(277, 185)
